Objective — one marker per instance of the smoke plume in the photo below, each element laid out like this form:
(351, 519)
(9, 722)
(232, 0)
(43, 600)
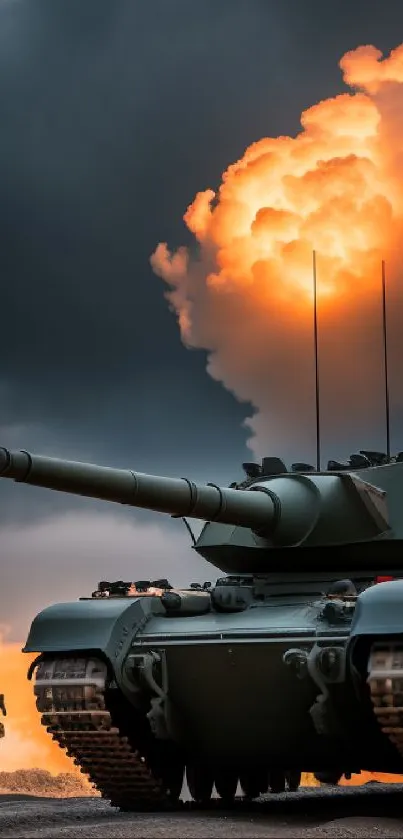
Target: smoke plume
(245, 294)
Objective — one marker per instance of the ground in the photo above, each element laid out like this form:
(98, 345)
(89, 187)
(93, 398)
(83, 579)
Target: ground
(371, 810)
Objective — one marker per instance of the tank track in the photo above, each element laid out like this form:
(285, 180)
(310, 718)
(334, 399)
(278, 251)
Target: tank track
(70, 695)
(385, 680)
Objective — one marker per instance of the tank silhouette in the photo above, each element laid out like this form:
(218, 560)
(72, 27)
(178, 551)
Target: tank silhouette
(4, 713)
(291, 662)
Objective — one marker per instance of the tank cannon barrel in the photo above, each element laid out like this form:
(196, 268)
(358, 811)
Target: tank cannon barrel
(286, 509)
(174, 496)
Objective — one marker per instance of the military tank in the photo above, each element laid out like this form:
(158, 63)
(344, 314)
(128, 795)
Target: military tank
(4, 712)
(291, 660)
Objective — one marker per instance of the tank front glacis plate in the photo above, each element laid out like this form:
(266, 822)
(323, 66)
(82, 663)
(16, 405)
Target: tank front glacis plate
(257, 623)
(106, 623)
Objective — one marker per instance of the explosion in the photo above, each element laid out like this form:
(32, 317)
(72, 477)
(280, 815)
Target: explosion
(26, 744)
(246, 295)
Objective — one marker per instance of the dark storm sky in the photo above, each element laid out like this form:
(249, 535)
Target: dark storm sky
(113, 114)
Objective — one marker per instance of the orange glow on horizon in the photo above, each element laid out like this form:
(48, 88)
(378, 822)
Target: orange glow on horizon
(26, 744)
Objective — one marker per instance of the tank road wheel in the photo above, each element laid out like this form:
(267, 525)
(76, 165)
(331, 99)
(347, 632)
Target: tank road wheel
(277, 781)
(254, 783)
(226, 782)
(293, 780)
(200, 782)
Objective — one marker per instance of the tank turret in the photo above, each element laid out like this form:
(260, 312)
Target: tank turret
(252, 526)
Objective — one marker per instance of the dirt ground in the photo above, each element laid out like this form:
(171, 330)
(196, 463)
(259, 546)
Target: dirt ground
(370, 810)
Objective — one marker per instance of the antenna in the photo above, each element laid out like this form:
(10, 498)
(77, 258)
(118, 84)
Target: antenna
(189, 529)
(315, 335)
(385, 359)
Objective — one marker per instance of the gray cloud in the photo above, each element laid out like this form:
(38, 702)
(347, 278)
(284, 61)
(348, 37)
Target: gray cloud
(63, 558)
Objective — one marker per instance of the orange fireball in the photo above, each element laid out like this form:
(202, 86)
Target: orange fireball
(26, 744)
(246, 296)
(330, 189)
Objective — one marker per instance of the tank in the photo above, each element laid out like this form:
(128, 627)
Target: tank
(4, 713)
(291, 661)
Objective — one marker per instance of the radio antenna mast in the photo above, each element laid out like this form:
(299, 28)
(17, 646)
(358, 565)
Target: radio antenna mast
(385, 359)
(315, 335)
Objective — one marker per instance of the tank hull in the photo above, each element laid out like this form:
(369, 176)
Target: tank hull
(237, 703)
(230, 697)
